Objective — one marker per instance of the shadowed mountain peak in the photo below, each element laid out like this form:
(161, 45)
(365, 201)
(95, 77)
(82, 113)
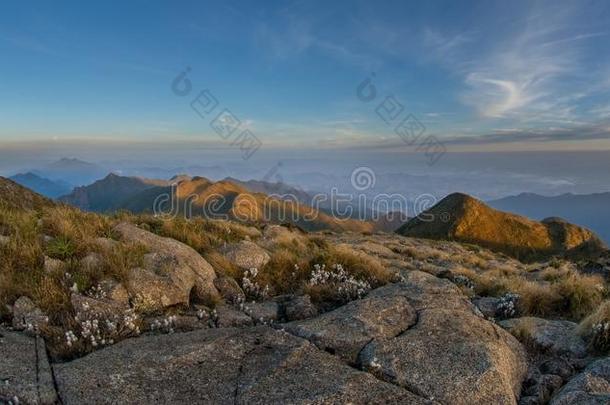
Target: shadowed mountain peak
(109, 193)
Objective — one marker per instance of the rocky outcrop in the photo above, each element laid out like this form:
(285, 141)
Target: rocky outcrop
(97, 307)
(246, 255)
(263, 312)
(224, 366)
(425, 291)
(114, 291)
(556, 337)
(27, 316)
(274, 235)
(299, 307)
(487, 305)
(172, 274)
(417, 341)
(451, 355)
(346, 330)
(152, 292)
(229, 289)
(454, 359)
(92, 261)
(229, 317)
(25, 374)
(591, 387)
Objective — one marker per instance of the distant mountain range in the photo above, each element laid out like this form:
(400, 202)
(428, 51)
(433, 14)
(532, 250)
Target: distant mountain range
(463, 218)
(139, 194)
(110, 193)
(281, 190)
(183, 195)
(41, 185)
(386, 222)
(70, 170)
(589, 210)
(457, 217)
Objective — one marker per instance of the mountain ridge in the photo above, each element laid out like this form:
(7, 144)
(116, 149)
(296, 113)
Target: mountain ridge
(17, 197)
(42, 185)
(589, 210)
(464, 218)
(194, 196)
(107, 194)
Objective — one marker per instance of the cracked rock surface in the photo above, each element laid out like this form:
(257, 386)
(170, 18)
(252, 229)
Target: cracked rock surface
(346, 330)
(452, 354)
(25, 374)
(592, 386)
(226, 365)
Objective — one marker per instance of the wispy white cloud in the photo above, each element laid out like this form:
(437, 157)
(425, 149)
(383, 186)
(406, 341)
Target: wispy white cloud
(523, 74)
(28, 43)
(448, 47)
(520, 74)
(304, 27)
(496, 97)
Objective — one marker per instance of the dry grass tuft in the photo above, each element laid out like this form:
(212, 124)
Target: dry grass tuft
(221, 265)
(558, 291)
(284, 273)
(201, 234)
(117, 262)
(361, 265)
(580, 294)
(537, 299)
(600, 315)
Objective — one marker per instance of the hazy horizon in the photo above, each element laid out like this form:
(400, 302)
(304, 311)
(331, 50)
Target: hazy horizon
(498, 174)
(486, 98)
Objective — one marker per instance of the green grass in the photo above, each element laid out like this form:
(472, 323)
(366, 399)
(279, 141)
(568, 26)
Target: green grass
(61, 248)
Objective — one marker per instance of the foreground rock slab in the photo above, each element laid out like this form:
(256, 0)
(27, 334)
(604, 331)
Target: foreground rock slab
(452, 358)
(452, 354)
(592, 386)
(25, 375)
(27, 316)
(554, 336)
(223, 366)
(346, 330)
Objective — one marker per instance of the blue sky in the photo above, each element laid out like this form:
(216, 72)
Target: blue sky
(481, 75)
